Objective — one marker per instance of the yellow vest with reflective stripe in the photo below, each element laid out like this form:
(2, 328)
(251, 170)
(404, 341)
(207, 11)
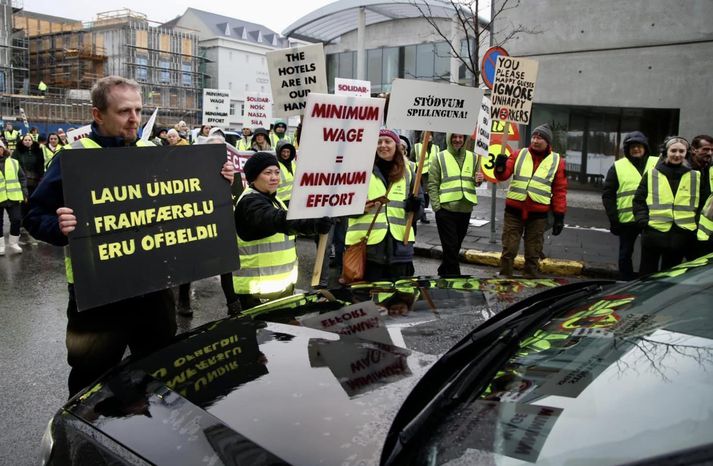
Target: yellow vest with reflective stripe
(705, 224)
(629, 179)
(284, 190)
(11, 138)
(457, 182)
(244, 145)
(10, 188)
(665, 209)
(274, 140)
(86, 143)
(391, 218)
(429, 155)
(48, 154)
(267, 265)
(538, 185)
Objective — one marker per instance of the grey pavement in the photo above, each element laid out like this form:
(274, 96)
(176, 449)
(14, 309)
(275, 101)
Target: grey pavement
(586, 238)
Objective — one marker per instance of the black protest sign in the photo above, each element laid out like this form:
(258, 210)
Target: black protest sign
(147, 219)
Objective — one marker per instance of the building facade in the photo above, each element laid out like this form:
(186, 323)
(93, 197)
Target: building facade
(14, 73)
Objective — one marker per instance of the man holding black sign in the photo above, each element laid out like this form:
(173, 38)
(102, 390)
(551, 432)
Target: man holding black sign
(97, 338)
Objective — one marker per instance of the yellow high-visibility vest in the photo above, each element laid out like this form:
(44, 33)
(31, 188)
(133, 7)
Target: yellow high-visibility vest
(629, 179)
(284, 190)
(537, 185)
(457, 182)
(10, 188)
(429, 155)
(665, 209)
(267, 265)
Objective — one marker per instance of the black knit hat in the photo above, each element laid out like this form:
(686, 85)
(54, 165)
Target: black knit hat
(257, 163)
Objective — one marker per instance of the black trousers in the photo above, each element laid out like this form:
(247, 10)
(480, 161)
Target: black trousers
(14, 213)
(97, 338)
(663, 250)
(452, 227)
(627, 240)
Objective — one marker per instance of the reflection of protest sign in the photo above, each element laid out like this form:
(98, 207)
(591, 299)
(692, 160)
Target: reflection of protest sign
(423, 105)
(352, 87)
(339, 137)
(258, 110)
(360, 320)
(216, 107)
(360, 367)
(514, 89)
(79, 133)
(294, 73)
(148, 219)
(210, 364)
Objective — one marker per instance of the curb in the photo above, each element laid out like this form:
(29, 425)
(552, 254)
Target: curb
(560, 267)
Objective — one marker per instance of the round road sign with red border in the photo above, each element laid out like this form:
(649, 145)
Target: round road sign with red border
(487, 66)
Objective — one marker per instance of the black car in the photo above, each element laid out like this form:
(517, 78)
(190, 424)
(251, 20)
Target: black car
(586, 372)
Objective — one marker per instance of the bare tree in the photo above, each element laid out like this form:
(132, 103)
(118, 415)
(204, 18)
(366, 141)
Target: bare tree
(473, 28)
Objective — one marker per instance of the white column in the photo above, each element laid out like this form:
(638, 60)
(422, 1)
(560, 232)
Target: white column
(455, 41)
(361, 52)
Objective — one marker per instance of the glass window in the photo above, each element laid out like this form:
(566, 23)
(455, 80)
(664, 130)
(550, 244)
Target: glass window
(187, 78)
(332, 65)
(232, 108)
(373, 68)
(142, 71)
(390, 66)
(410, 62)
(165, 73)
(464, 75)
(347, 65)
(424, 61)
(2, 81)
(442, 62)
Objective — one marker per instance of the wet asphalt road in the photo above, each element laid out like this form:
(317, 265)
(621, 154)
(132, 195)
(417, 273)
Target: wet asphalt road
(33, 295)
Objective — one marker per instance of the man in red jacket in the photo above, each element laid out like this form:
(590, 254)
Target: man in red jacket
(539, 185)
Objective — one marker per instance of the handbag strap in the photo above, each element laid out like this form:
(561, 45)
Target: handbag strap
(378, 209)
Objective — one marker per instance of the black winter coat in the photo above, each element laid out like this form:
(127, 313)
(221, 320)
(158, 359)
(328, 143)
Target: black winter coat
(611, 186)
(259, 215)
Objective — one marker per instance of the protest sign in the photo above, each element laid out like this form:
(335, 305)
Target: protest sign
(352, 87)
(79, 133)
(257, 112)
(294, 73)
(514, 89)
(148, 128)
(423, 105)
(147, 219)
(482, 141)
(238, 158)
(339, 137)
(216, 107)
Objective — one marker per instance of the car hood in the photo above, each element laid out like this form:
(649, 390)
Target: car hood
(262, 392)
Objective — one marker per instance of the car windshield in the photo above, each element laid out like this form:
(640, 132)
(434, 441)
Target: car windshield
(622, 376)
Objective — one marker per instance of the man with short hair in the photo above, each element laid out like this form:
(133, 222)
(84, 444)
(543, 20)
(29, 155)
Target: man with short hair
(701, 152)
(97, 338)
(538, 187)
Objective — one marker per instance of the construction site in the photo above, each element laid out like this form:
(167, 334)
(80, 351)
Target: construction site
(69, 56)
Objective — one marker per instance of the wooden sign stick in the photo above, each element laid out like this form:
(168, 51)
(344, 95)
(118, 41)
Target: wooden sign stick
(417, 182)
(319, 259)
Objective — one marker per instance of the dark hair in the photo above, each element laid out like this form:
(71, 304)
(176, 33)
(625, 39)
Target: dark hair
(696, 143)
(101, 89)
(398, 165)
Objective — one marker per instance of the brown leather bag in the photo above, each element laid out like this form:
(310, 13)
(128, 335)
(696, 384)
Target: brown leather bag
(354, 258)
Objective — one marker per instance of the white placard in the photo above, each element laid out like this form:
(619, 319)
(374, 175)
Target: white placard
(352, 87)
(294, 73)
(337, 147)
(482, 131)
(514, 89)
(257, 112)
(423, 105)
(79, 133)
(216, 107)
(361, 320)
(146, 132)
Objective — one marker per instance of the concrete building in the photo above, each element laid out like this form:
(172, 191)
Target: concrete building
(235, 54)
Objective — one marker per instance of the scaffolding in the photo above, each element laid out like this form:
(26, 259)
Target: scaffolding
(14, 73)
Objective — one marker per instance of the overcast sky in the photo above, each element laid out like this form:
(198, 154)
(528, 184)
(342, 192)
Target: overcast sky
(275, 14)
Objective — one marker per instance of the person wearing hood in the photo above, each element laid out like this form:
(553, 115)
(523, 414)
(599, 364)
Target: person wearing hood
(666, 207)
(244, 143)
(387, 258)
(453, 176)
(286, 157)
(261, 140)
(620, 185)
(279, 133)
(13, 192)
(174, 138)
(266, 239)
(538, 187)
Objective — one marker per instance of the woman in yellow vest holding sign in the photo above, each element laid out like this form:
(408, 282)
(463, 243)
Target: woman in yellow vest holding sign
(666, 208)
(391, 186)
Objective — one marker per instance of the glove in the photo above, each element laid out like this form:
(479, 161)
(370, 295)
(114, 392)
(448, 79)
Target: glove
(615, 228)
(323, 225)
(558, 226)
(413, 203)
(500, 162)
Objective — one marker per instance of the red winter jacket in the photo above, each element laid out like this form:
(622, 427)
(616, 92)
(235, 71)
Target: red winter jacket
(559, 188)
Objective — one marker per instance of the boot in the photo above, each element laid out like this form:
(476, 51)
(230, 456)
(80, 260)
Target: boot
(14, 246)
(2, 246)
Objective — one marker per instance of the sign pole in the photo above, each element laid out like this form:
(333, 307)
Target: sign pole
(417, 182)
(494, 191)
(319, 259)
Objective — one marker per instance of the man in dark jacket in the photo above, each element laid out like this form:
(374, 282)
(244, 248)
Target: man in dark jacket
(621, 182)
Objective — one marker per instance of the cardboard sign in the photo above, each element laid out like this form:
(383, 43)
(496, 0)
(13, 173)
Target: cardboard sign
(339, 137)
(147, 219)
(352, 87)
(294, 73)
(216, 107)
(79, 133)
(514, 89)
(257, 112)
(361, 320)
(423, 105)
